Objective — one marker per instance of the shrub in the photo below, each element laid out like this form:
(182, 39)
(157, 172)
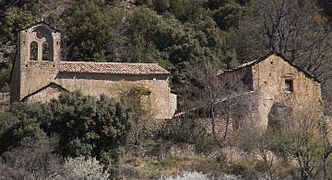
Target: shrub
(246, 168)
(89, 127)
(188, 176)
(86, 168)
(86, 126)
(33, 159)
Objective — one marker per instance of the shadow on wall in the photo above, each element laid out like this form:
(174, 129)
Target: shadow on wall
(280, 116)
(327, 97)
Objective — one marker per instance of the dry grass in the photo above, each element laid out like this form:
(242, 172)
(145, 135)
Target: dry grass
(148, 168)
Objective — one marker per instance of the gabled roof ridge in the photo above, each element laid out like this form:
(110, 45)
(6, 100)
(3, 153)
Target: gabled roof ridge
(42, 88)
(258, 60)
(112, 68)
(40, 22)
(255, 61)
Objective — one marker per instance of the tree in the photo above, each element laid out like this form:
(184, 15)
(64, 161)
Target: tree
(227, 13)
(89, 127)
(20, 122)
(86, 126)
(136, 97)
(302, 140)
(93, 31)
(298, 30)
(325, 128)
(294, 29)
(207, 78)
(225, 103)
(5, 70)
(32, 159)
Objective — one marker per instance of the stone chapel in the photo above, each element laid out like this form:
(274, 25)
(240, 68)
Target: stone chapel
(40, 75)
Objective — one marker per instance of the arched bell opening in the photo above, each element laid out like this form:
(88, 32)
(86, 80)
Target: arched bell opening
(44, 41)
(46, 53)
(33, 51)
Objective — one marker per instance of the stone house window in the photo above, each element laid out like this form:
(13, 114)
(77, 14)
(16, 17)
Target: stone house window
(289, 85)
(247, 80)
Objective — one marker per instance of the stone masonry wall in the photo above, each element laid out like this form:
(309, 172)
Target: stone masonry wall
(35, 68)
(97, 84)
(15, 82)
(239, 100)
(258, 87)
(236, 82)
(35, 74)
(47, 94)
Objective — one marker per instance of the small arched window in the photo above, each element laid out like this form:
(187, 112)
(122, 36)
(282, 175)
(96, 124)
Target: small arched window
(46, 52)
(33, 51)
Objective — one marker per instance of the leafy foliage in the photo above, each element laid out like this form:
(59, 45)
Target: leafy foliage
(87, 126)
(176, 33)
(19, 123)
(87, 168)
(136, 97)
(92, 31)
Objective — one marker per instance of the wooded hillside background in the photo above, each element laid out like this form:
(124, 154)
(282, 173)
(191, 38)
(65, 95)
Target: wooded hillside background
(179, 34)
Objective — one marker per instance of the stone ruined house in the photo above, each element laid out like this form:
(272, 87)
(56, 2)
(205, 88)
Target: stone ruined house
(268, 87)
(39, 75)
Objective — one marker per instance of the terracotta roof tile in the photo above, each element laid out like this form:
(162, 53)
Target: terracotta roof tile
(112, 68)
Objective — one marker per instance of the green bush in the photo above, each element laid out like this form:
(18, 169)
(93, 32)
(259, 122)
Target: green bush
(85, 125)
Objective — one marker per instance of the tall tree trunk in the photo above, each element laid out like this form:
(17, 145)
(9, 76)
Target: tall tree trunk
(325, 165)
(227, 120)
(325, 176)
(213, 124)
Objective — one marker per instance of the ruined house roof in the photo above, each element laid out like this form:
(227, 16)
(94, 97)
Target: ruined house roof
(112, 68)
(254, 62)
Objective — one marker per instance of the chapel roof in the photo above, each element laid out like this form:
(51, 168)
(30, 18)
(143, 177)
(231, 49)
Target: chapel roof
(112, 68)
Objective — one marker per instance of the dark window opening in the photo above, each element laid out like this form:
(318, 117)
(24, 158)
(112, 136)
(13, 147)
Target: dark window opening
(247, 80)
(289, 87)
(33, 51)
(39, 34)
(46, 52)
